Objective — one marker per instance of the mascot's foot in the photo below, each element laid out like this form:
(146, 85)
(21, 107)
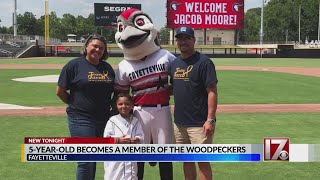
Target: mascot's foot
(153, 163)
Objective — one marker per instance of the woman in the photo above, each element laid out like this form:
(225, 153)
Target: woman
(85, 85)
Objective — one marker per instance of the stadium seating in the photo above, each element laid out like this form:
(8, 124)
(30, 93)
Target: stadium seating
(9, 49)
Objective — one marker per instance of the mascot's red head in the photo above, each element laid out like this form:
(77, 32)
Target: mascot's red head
(136, 34)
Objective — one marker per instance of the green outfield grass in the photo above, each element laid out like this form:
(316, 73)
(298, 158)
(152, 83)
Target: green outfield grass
(231, 128)
(265, 62)
(50, 60)
(277, 62)
(40, 60)
(24, 93)
(235, 87)
(242, 87)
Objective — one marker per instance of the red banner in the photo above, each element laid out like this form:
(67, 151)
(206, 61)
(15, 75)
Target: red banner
(221, 14)
(67, 140)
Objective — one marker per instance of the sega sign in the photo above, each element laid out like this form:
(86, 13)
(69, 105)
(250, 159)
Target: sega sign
(106, 14)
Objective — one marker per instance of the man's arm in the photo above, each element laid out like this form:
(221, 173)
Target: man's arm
(208, 127)
(212, 101)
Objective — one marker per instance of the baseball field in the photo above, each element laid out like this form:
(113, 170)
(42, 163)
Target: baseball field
(258, 98)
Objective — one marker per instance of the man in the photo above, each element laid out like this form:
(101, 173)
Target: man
(194, 82)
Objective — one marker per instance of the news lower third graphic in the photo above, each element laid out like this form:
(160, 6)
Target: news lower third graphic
(60, 149)
(276, 149)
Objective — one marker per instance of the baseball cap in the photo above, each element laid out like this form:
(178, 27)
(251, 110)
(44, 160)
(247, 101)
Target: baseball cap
(184, 30)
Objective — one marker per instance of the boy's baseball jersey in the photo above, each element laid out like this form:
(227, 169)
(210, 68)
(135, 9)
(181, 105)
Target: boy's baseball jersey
(117, 126)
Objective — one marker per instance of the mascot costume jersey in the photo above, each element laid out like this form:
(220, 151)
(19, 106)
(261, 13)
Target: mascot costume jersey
(144, 71)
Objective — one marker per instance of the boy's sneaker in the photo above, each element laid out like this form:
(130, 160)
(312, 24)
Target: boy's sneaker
(153, 163)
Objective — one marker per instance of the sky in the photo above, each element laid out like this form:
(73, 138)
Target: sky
(156, 9)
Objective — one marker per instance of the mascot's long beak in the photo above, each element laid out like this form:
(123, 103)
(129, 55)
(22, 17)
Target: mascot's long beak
(132, 37)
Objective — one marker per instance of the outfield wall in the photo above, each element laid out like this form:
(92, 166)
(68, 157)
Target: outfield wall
(279, 51)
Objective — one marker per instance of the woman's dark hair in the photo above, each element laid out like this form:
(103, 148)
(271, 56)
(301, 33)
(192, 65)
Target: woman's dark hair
(124, 95)
(102, 39)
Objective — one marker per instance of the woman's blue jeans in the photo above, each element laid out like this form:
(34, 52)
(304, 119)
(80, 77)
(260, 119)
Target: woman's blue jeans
(86, 127)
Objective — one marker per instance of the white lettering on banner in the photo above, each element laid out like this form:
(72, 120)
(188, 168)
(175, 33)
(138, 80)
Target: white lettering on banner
(188, 19)
(51, 149)
(208, 19)
(221, 19)
(200, 7)
(36, 157)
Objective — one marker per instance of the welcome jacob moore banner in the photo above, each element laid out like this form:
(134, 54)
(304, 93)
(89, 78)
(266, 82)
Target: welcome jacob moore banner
(220, 14)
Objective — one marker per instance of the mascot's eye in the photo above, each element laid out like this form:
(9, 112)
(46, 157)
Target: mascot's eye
(143, 22)
(120, 28)
(140, 22)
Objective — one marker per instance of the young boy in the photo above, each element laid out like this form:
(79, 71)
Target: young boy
(127, 130)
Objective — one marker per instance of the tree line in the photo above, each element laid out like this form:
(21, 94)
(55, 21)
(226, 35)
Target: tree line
(28, 24)
(281, 22)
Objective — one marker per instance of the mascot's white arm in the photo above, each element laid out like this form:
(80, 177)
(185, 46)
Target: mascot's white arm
(122, 84)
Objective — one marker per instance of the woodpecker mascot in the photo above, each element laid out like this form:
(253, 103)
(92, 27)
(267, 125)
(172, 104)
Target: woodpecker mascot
(144, 71)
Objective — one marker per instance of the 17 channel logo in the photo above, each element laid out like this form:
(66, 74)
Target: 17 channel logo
(276, 149)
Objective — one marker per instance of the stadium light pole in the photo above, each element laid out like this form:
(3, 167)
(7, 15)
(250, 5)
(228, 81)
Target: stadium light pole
(299, 23)
(261, 24)
(15, 19)
(319, 22)
(46, 26)
(261, 28)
